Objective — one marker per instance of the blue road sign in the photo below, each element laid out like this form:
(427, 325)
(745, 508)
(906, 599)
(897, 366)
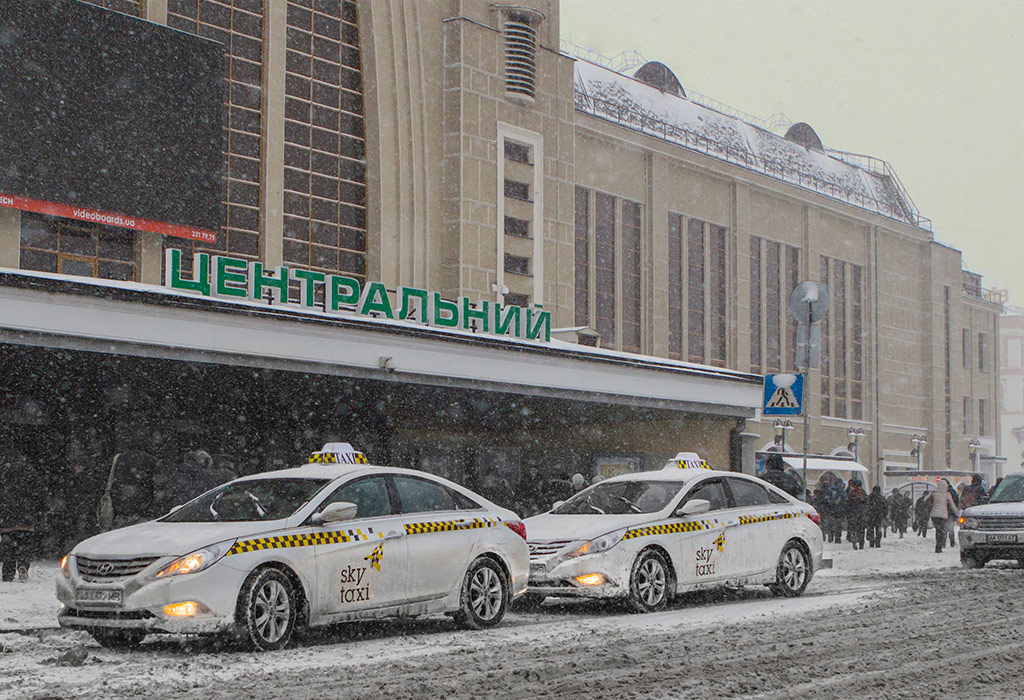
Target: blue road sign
(783, 395)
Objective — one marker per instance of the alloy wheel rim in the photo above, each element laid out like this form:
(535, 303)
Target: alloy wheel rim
(272, 611)
(651, 582)
(794, 568)
(485, 593)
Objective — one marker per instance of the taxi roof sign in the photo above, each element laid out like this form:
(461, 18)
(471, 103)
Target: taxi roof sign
(687, 460)
(337, 453)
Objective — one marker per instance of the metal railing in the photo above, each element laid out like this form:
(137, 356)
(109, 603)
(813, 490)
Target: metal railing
(625, 115)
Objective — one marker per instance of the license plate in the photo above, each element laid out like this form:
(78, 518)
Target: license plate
(1002, 538)
(97, 595)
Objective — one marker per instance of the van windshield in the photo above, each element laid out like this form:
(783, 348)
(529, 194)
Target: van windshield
(248, 500)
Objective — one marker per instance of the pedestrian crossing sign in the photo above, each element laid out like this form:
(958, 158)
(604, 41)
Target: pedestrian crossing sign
(783, 395)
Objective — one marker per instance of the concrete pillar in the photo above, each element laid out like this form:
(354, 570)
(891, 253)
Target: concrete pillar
(151, 252)
(10, 238)
(155, 11)
(272, 166)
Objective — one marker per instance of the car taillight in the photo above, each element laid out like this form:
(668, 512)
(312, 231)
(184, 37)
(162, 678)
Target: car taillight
(815, 518)
(518, 527)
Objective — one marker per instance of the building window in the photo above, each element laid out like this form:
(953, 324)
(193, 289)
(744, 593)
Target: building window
(965, 347)
(581, 241)
(792, 275)
(520, 56)
(717, 295)
(513, 299)
(981, 351)
(842, 346)
(517, 227)
(756, 244)
(517, 152)
(79, 248)
(982, 415)
(631, 307)
(695, 290)
(967, 415)
(675, 286)
(517, 264)
(773, 302)
(517, 190)
(604, 268)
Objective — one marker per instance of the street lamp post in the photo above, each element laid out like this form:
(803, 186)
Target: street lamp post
(781, 426)
(854, 434)
(974, 445)
(919, 441)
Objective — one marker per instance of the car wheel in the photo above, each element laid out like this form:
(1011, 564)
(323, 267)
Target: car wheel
(649, 582)
(969, 561)
(793, 572)
(118, 639)
(485, 595)
(529, 602)
(266, 610)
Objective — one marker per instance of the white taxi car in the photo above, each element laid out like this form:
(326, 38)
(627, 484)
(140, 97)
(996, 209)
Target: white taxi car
(644, 537)
(336, 539)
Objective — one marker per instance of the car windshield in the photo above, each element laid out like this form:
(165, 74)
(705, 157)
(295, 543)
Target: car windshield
(621, 497)
(249, 500)
(1011, 490)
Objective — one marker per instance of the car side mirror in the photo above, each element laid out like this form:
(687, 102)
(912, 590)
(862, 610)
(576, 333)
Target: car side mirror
(175, 508)
(694, 506)
(335, 513)
(556, 504)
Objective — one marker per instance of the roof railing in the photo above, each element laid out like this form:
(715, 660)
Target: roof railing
(883, 168)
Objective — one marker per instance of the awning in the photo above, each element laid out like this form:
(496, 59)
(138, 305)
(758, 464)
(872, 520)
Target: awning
(826, 464)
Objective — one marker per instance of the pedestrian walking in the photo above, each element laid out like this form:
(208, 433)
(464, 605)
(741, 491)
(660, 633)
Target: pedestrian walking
(921, 514)
(856, 502)
(941, 504)
(22, 503)
(954, 514)
(899, 512)
(876, 509)
(975, 494)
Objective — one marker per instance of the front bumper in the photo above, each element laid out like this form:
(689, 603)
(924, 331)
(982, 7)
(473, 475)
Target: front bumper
(143, 600)
(553, 577)
(1003, 544)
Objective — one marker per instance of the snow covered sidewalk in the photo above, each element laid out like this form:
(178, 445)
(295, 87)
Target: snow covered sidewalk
(30, 605)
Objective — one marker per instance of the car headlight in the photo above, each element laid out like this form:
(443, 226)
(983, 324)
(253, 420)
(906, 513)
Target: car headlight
(196, 561)
(65, 565)
(969, 523)
(598, 544)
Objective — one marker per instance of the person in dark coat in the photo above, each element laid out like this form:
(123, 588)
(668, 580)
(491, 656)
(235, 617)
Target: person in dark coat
(876, 509)
(529, 493)
(975, 494)
(193, 477)
(856, 502)
(775, 474)
(921, 510)
(22, 506)
(899, 512)
(132, 486)
(75, 494)
(954, 514)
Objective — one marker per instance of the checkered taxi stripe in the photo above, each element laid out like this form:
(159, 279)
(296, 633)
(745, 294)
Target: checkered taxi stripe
(450, 525)
(305, 540)
(751, 519)
(692, 464)
(667, 529)
(336, 458)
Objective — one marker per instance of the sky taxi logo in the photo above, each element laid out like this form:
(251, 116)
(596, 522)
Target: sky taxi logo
(234, 278)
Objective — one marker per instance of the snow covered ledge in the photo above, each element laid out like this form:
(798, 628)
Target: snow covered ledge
(46, 310)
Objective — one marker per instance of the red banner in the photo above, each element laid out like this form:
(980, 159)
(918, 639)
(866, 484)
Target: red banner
(66, 211)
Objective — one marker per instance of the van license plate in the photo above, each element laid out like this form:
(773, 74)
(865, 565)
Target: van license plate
(97, 595)
(1002, 538)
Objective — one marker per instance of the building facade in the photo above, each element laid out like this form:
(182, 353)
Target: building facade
(451, 146)
(1011, 401)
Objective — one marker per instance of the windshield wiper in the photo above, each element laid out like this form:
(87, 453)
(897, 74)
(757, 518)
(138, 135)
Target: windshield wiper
(215, 501)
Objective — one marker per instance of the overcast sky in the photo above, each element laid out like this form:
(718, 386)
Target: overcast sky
(932, 86)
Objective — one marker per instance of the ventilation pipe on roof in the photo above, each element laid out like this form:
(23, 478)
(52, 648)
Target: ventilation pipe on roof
(519, 29)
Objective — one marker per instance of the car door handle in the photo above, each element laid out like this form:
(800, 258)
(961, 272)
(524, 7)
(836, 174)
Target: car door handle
(394, 535)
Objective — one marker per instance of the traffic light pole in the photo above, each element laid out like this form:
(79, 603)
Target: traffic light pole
(806, 398)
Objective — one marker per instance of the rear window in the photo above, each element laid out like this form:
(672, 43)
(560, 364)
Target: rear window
(621, 497)
(747, 493)
(423, 496)
(249, 500)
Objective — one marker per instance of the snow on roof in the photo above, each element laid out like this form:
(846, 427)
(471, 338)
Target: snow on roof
(619, 98)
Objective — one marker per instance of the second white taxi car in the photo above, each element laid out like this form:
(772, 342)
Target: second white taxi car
(644, 537)
(333, 540)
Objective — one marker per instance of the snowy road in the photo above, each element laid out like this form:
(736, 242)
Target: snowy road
(899, 622)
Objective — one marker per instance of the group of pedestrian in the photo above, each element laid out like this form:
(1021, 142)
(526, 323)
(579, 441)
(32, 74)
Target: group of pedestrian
(44, 512)
(941, 508)
(864, 517)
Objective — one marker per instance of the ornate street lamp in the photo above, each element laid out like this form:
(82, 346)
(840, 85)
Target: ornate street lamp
(854, 434)
(974, 445)
(781, 426)
(919, 441)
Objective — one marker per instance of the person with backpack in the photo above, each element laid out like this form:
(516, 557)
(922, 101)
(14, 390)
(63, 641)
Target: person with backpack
(875, 511)
(856, 503)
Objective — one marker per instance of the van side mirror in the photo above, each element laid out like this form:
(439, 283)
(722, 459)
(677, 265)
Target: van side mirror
(335, 513)
(695, 506)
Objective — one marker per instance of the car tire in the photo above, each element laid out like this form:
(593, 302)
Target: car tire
(529, 602)
(485, 596)
(969, 561)
(267, 610)
(793, 572)
(649, 582)
(118, 639)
